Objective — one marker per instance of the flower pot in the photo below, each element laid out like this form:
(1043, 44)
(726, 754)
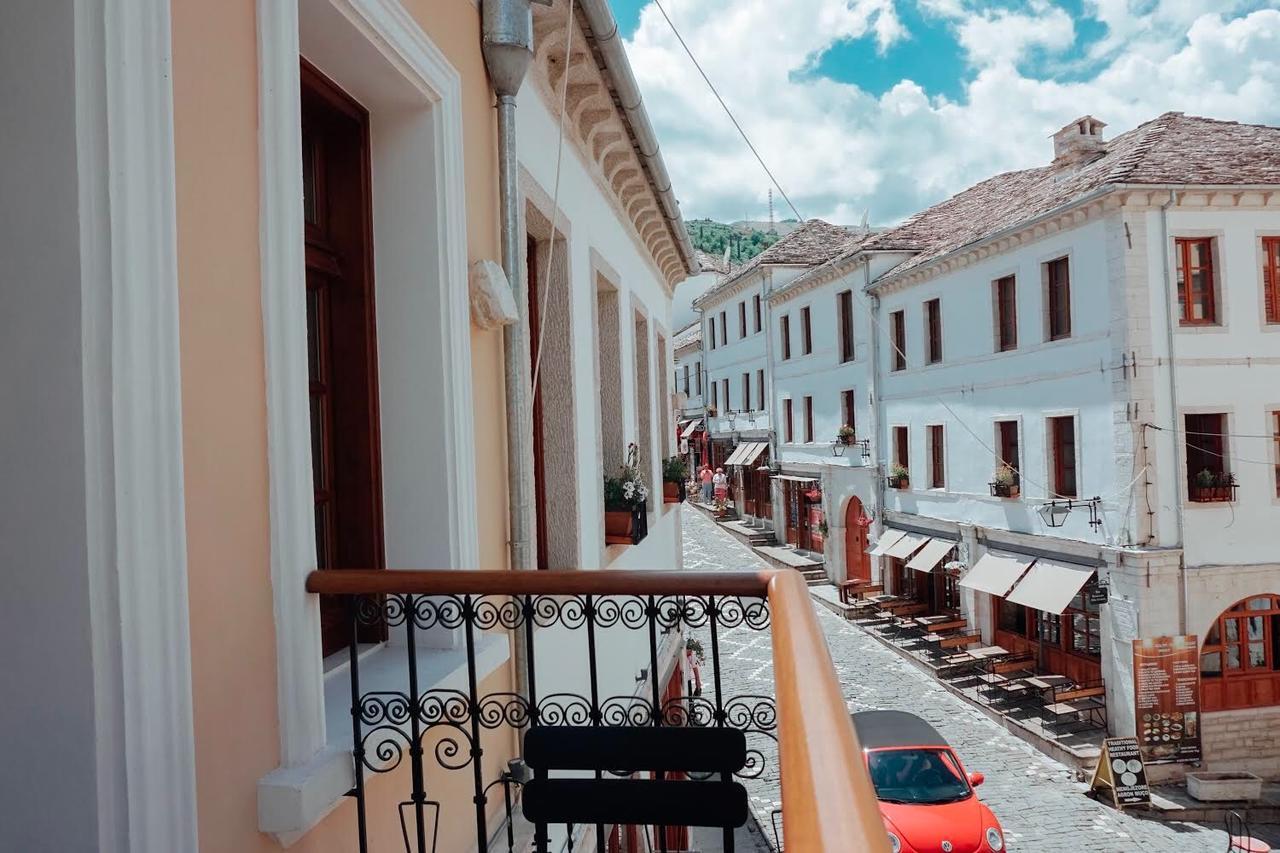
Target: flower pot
(671, 493)
(846, 440)
(1005, 490)
(899, 482)
(617, 527)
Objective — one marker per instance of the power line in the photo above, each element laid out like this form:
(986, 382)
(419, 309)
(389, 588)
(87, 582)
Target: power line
(727, 111)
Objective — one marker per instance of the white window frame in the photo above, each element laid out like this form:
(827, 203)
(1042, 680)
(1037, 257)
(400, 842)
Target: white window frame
(313, 772)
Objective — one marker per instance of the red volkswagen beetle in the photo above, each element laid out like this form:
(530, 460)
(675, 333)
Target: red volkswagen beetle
(926, 797)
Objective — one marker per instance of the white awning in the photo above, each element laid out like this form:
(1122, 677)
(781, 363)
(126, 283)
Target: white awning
(735, 458)
(757, 449)
(1050, 586)
(906, 546)
(931, 554)
(887, 540)
(693, 427)
(996, 573)
(790, 479)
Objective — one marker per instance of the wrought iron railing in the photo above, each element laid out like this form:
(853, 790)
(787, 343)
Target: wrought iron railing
(827, 800)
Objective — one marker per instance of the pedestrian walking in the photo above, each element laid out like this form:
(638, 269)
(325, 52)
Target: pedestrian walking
(706, 477)
(721, 483)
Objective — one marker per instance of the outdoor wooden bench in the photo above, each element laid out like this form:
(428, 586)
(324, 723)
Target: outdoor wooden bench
(858, 589)
(959, 641)
(1077, 700)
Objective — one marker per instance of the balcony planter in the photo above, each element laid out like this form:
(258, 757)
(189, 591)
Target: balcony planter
(898, 478)
(672, 493)
(625, 501)
(1005, 490)
(846, 435)
(675, 472)
(1211, 487)
(1231, 786)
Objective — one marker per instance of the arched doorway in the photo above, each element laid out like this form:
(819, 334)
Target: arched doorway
(1240, 657)
(857, 562)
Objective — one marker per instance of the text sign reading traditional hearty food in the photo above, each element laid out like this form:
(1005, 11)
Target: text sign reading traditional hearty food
(1166, 684)
(1121, 771)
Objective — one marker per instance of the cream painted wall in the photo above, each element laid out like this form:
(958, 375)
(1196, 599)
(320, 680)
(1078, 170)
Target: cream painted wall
(232, 635)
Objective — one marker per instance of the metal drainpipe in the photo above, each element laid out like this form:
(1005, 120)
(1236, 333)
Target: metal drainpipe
(876, 408)
(1173, 409)
(507, 45)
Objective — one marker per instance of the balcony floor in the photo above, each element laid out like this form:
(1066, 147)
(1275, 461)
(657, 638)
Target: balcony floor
(1039, 801)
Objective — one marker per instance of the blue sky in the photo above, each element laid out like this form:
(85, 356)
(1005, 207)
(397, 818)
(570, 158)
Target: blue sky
(890, 105)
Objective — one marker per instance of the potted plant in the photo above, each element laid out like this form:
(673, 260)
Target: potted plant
(845, 435)
(1004, 482)
(711, 411)
(624, 502)
(899, 477)
(675, 473)
(1213, 486)
(822, 528)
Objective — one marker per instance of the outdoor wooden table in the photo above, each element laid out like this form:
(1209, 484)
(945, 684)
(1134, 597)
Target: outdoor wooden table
(986, 652)
(1046, 682)
(949, 625)
(927, 621)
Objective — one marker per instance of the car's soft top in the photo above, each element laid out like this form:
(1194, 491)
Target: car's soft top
(882, 729)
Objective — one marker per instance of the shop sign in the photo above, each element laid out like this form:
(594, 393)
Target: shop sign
(1097, 593)
(1166, 685)
(1122, 773)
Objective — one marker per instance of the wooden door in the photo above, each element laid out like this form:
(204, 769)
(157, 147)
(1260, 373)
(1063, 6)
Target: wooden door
(341, 340)
(539, 467)
(857, 562)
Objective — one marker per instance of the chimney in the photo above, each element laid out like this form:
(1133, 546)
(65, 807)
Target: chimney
(1078, 143)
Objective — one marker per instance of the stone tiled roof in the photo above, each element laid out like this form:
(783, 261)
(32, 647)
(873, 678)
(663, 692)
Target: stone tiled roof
(711, 263)
(809, 245)
(1171, 149)
(688, 336)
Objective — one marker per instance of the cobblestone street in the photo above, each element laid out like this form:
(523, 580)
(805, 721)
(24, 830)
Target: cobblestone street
(1037, 799)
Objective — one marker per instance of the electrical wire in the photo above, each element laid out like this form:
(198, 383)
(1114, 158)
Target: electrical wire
(555, 210)
(727, 111)
(1053, 495)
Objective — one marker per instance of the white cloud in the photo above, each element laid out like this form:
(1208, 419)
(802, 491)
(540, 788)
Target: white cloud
(837, 149)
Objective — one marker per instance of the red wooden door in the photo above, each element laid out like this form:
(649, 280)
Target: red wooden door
(857, 561)
(341, 340)
(536, 300)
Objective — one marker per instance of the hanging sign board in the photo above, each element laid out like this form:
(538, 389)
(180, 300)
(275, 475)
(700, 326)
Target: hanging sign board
(1166, 685)
(1122, 773)
(1097, 593)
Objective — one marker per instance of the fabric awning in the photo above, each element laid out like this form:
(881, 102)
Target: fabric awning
(756, 449)
(1050, 586)
(931, 554)
(735, 458)
(887, 540)
(906, 546)
(693, 427)
(996, 573)
(792, 479)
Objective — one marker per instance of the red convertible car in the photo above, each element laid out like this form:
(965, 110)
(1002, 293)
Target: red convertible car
(926, 797)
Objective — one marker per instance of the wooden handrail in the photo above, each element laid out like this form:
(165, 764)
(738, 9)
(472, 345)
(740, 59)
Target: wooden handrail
(574, 582)
(828, 803)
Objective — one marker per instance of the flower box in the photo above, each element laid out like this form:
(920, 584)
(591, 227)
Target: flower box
(1005, 490)
(1212, 494)
(672, 493)
(1229, 786)
(625, 527)
(898, 482)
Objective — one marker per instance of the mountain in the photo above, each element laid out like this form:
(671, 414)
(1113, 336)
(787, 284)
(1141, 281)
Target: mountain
(744, 239)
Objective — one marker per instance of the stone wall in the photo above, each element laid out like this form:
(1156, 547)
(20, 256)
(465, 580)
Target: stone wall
(1246, 739)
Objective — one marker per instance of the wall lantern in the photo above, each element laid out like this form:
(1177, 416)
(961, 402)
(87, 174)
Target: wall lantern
(732, 418)
(1054, 513)
(837, 447)
(751, 417)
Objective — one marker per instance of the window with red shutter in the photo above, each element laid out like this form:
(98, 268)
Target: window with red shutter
(937, 475)
(1271, 278)
(1006, 302)
(898, 339)
(901, 447)
(1062, 437)
(784, 330)
(1058, 293)
(844, 307)
(806, 330)
(1196, 304)
(933, 325)
(808, 420)
(788, 423)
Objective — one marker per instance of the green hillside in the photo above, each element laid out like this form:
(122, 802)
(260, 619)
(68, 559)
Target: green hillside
(744, 240)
